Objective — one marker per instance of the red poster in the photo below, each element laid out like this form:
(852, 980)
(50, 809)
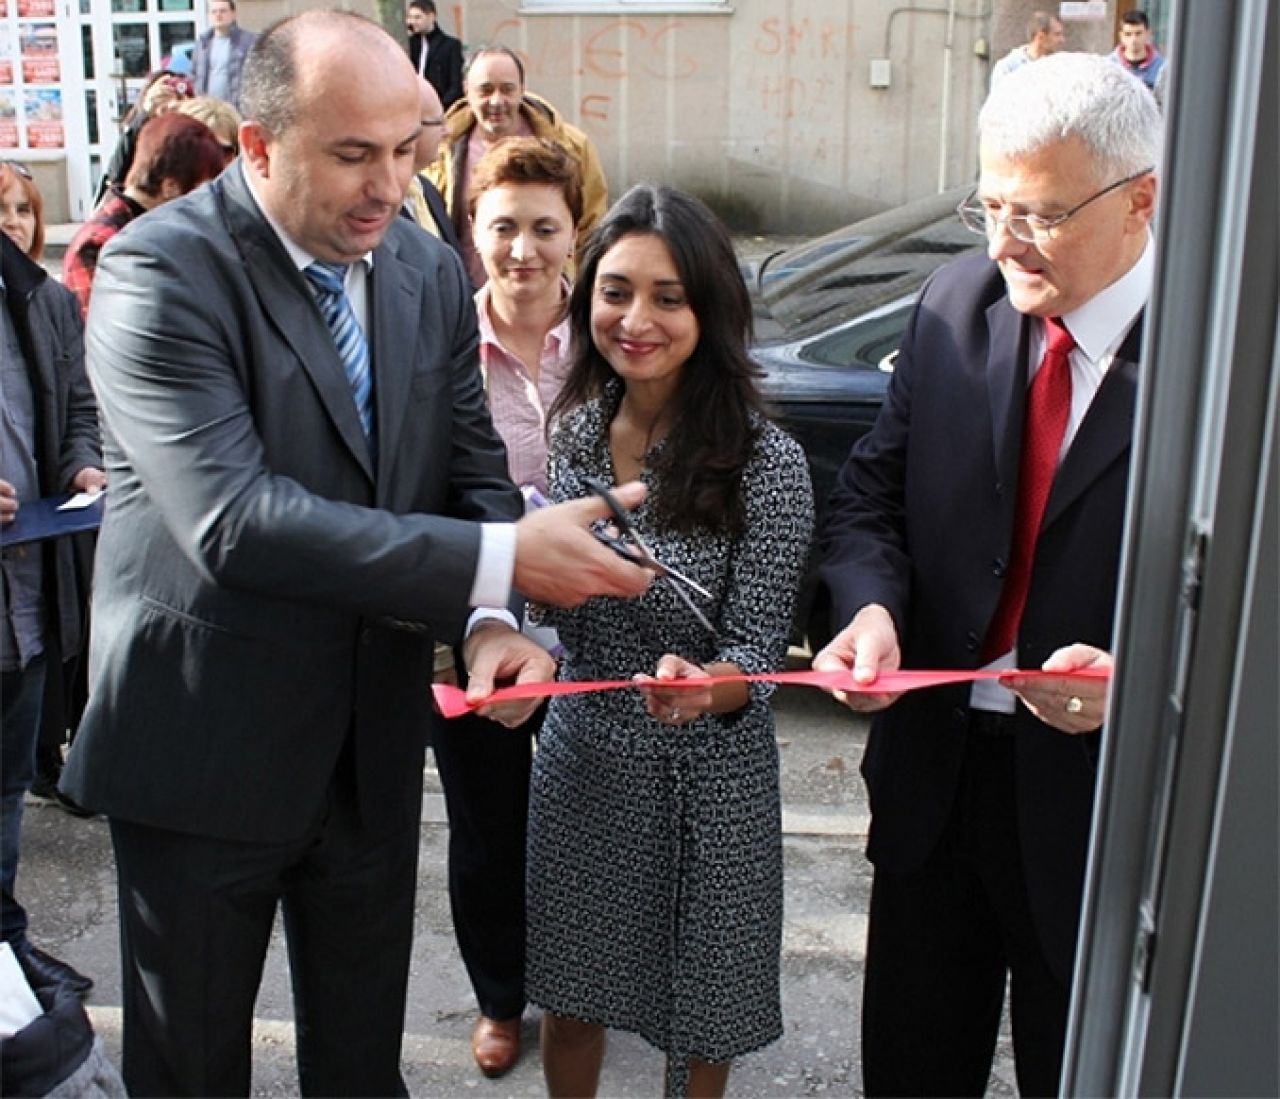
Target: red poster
(8, 134)
(6, 71)
(45, 135)
(4, 9)
(39, 8)
(40, 70)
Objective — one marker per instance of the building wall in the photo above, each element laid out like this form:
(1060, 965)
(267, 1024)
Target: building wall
(765, 109)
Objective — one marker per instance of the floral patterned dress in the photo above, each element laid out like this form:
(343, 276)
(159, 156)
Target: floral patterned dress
(655, 851)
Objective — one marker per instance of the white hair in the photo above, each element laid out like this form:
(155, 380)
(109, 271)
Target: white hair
(1074, 95)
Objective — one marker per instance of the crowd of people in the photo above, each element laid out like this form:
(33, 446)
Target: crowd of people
(386, 392)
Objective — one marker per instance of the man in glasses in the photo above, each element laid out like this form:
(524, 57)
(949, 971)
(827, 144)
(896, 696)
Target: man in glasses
(979, 525)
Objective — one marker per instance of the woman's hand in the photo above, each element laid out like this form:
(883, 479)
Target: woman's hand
(675, 705)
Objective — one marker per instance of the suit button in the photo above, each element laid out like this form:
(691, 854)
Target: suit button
(366, 636)
(960, 714)
(997, 568)
(972, 641)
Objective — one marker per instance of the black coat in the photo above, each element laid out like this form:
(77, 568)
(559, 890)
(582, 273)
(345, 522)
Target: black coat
(444, 63)
(921, 522)
(46, 318)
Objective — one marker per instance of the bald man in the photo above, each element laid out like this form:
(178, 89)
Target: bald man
(423, 203)
(310, 492)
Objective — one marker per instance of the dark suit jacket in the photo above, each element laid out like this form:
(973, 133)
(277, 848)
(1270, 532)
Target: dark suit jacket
(444, 63)
(921, 522)
(46, 320)
(254, 574)
(439, 213)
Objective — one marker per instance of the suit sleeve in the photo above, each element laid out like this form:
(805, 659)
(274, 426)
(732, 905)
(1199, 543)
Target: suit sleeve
(169, 352)
(863, 541)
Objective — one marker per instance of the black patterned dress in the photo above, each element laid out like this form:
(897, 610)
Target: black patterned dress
(655, 851)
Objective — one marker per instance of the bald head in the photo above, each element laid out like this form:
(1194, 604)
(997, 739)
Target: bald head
(293, 58)
(330, 151)
(431, 112)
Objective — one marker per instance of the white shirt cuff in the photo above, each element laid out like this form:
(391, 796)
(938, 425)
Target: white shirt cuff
(496, 566)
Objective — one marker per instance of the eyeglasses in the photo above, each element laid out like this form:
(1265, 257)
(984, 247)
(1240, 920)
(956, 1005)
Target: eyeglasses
(21, 169)
(977, 217)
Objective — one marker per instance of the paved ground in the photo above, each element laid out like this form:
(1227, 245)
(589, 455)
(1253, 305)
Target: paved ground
(67, 881)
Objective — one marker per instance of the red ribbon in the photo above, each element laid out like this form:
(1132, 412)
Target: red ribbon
(452, 701)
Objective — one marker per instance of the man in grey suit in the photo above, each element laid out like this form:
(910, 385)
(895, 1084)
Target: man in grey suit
(306, 491)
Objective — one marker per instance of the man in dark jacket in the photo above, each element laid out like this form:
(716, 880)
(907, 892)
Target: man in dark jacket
(435, 55)
(220, 52)
(48, 444)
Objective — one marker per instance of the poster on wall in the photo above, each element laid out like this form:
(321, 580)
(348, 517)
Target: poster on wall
(8, 119)
(6, 53)
(43, 110)
(36, 9)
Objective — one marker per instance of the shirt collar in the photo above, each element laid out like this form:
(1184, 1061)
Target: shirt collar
(302, 259)
(1101, 323)
(557, 337)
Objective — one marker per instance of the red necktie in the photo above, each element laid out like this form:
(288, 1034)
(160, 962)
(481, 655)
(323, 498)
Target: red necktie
(1048, 406)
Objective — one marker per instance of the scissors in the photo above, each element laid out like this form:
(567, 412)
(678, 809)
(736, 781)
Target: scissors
(630, 546)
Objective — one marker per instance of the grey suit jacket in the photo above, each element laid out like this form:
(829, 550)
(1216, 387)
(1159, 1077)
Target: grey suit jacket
(253, 573)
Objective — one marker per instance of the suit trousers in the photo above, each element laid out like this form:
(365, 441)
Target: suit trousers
(21, 695)
(944, 939)
(484, 770)
(196, 915)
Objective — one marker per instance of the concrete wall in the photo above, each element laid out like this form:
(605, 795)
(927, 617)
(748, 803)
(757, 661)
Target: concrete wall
(765, 109)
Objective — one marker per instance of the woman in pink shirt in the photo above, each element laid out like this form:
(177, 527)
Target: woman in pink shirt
(525, 200)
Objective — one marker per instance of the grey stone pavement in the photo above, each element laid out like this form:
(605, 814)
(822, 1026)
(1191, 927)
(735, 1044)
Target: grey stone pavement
(67, 881)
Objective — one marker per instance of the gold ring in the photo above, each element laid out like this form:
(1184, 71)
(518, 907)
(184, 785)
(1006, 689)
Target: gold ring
(1074, 704)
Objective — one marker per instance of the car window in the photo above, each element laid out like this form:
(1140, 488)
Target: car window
(868, 343)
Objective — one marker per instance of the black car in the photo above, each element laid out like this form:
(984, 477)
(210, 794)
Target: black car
(829, 315)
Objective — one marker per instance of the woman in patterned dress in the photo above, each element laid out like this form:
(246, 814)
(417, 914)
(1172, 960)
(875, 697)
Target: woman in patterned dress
(655, 850)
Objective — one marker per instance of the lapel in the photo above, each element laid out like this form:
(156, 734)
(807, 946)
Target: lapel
(1106, 432)
(396, 310)
(290, 307)
(1006, 390)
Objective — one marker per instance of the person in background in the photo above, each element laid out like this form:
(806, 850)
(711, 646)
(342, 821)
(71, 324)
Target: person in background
(21, 208)
(436, 56)
(175, 155)
(496, 107)
(1136, 52)
(218, 59)
(1045, 36)
(307, 491)
(422, 202)
(49, 444)
(22, 219)
(992, 540)
(162, 93)
(222, 118)
(655, 839)
(526, 198)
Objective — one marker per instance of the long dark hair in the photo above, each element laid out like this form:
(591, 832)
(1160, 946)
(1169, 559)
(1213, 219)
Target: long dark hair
(718, 410)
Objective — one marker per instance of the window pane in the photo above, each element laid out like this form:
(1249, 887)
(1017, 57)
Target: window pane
(131, 48)
(91, 115)
(86, 48)
(176, 40)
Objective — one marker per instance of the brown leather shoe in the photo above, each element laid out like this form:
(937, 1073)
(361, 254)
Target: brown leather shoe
(495, 1044)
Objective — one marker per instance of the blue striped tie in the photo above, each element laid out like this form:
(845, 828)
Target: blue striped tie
(328, 280)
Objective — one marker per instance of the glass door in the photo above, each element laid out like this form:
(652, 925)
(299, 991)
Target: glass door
(121, 43)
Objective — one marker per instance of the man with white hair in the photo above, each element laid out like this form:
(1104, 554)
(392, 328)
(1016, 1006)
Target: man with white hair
(978, 525)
